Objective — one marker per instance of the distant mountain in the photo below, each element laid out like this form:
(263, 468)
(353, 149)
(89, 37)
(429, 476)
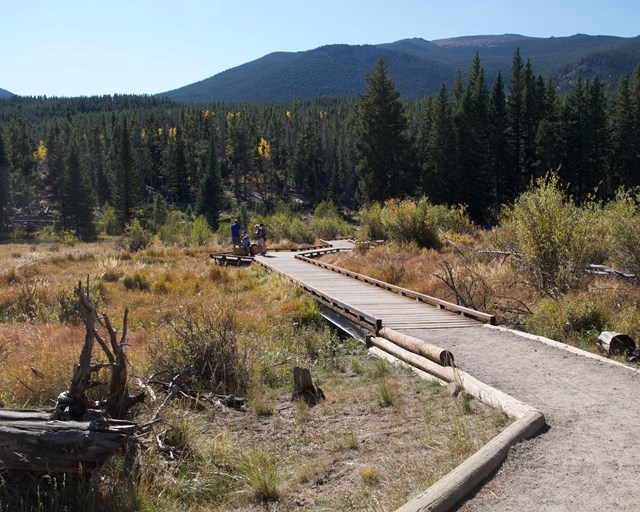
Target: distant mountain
(418, 66)
(5, 94)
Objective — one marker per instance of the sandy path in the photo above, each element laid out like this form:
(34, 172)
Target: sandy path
(588, 458)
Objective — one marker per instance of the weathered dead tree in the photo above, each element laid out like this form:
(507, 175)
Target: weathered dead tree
(74, 403)
(303, 387)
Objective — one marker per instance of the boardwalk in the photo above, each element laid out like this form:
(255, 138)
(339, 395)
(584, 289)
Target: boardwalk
(587, 460)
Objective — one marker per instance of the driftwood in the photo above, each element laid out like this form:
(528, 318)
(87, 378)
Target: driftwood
(304, 388)
(29, 441)
(80, 434)
(74, 404)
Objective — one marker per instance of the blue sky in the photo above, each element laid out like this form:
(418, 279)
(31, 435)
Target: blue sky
(87, 47)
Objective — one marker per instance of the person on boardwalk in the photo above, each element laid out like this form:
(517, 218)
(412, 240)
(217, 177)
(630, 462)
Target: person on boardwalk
(235, 237)
(260, 234)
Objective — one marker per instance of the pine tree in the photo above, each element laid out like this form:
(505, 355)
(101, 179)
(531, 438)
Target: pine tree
(549, 134)
(78, 200)
(127, 190)
(515, 178)
(498, 152)
(476, 188)
(210, 194)
(382, 143)
(441, 165)
(4, 188)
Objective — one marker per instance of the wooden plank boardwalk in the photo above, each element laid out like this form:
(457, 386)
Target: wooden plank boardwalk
(391, 309)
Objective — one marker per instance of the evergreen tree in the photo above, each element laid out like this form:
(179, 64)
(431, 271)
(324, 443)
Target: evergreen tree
(498, 140)
(4, 188)
(515, 178)
(381, 141)
(77, 198)
(127, 190)
(549, 134)
(210, 194)
(476, 188)
(441, 165)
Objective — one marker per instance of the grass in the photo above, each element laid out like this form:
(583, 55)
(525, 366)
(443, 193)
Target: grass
(209, 457)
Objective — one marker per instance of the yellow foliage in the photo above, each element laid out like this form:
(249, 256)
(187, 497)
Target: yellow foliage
(288, 114)
(142, 133)
(40, 154)
(172, 132)
(159, 132)
(264, 149)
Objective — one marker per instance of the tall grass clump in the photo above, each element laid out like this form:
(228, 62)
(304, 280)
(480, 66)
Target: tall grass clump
(553, 238)
(205, 351)
(412, 221)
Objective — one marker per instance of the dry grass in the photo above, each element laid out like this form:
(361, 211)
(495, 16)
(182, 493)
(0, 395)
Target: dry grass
(381, 436)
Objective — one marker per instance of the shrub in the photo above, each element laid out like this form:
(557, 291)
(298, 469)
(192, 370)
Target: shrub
(175, 230)
(624, 220)
(108, 221)
(553, 237)
(413, 221)
(135, 281)
(135, 238)
(200, 231)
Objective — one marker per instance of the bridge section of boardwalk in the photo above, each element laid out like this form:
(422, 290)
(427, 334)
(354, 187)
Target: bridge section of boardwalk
(365, 303)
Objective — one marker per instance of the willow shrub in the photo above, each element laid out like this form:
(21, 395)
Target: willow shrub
(412, 221)
(623, 219)
(553, 238)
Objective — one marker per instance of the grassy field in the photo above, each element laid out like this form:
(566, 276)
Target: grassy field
(380, 436)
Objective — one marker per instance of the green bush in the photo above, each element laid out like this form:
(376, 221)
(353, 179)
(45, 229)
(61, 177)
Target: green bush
(623, 218)
(175, 230)
(206, 352)
(412, 221)
(135, 238)
(553, 238)
(200, 231)
(108, 221)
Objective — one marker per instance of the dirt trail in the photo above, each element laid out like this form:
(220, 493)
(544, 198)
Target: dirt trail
(587, 459)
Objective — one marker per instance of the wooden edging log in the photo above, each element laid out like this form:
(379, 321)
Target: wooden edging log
(418, 346)
(459, 483)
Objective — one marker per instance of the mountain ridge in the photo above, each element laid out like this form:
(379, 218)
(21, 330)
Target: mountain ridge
(419, 66)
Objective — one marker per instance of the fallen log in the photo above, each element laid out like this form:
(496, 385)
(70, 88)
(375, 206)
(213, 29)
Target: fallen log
(29, 441)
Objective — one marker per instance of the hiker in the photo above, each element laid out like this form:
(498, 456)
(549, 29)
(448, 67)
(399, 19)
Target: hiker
(260, 234)
(235, 237)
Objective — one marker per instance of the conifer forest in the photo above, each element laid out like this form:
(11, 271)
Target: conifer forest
(479, 142)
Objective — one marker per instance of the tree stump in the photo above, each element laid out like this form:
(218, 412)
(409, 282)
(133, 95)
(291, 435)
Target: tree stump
(304, 388)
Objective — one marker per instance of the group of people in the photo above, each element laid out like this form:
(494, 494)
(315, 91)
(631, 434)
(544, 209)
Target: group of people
(242, 243)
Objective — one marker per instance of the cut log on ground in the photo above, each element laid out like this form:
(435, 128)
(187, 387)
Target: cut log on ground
(614, 343)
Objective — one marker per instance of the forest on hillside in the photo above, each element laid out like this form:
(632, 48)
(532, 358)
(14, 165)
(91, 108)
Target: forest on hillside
(468, 145)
